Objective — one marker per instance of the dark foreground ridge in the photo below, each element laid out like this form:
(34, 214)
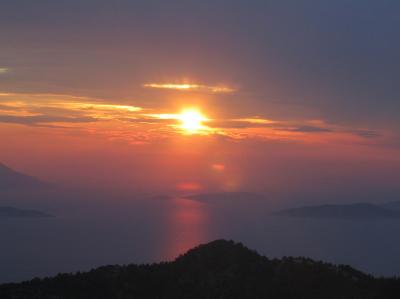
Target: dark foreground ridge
(220, 269)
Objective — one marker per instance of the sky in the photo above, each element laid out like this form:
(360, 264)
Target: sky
(293, 97)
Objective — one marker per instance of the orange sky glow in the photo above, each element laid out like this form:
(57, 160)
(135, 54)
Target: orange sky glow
(194, 143)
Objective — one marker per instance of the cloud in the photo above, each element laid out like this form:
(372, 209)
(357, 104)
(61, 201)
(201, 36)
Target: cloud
(190, 87)
(305, 129)
(4, 70)
(237, 124)
(149, 120)
(139, 125)
(48, 110)
(35, 120)
(7, 108)
(366, 133)
(247, 123)
(58, 106)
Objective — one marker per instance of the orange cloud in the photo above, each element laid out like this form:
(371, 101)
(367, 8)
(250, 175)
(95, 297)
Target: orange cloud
(190, 87)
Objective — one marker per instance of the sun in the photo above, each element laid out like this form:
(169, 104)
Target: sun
(192, 121)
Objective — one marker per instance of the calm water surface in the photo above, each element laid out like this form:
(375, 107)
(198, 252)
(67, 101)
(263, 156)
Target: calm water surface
(94, 234)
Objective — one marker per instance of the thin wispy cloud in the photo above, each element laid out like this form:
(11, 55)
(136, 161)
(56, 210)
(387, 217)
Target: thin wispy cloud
(367, 133)
(190, 87)
(59, 104)
(37, 120)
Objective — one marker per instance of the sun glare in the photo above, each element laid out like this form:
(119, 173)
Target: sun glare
(192, 121)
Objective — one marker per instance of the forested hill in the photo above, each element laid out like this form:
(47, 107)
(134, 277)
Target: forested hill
(220, 269)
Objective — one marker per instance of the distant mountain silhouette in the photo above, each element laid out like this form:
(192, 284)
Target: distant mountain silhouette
(9, 212)
(12, 180)
(350, 211)
(394, 205)
(220, 269)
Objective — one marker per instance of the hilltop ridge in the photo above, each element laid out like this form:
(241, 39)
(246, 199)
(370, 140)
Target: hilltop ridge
(219, 269)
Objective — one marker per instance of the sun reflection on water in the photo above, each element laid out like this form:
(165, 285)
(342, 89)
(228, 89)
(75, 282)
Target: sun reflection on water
(186, 227)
